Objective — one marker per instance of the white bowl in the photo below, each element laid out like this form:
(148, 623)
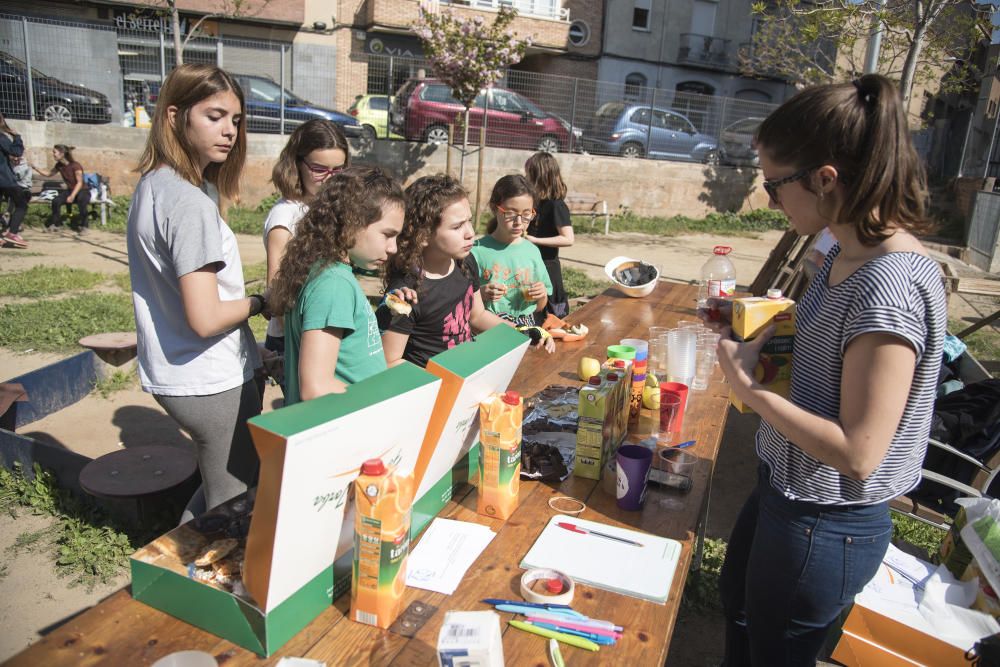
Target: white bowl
(636, 291)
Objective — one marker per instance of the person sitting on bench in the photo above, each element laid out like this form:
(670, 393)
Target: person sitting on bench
(72, 173)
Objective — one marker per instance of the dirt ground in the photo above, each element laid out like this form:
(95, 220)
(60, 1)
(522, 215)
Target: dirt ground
(32, 600)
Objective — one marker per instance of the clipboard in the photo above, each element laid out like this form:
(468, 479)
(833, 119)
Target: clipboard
(645, 572)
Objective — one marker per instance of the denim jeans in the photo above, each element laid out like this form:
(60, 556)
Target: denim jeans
(791, 567)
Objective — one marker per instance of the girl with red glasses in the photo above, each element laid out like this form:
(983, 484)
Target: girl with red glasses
(315, 151)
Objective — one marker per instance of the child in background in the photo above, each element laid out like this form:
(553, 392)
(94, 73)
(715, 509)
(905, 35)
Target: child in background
(515, 283)
(316, 150)
(551, 228)
(331, 334)
(433, 248)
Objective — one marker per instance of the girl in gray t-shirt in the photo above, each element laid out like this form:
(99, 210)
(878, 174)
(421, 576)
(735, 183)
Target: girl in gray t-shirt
(197, 355)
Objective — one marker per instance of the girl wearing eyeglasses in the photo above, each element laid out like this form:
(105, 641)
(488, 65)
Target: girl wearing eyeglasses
(316, 150)
(515, 282)
(870, 328)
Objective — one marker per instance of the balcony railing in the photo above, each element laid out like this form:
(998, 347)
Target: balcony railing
(705, 51)
(543, 9)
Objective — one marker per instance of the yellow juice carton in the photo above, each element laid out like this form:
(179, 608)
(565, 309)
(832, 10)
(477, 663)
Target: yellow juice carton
(595, 425)
(383, 501)
(500, 418)
(753, 315)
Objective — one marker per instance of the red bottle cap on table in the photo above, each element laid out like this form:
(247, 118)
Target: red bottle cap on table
(619, 363)
(612, 377)
(373, 467)
(554, 586)
(722, 250)
(594, 380)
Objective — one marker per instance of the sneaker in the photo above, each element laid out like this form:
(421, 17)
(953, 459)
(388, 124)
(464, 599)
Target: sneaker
(83, 231)
(14, 238)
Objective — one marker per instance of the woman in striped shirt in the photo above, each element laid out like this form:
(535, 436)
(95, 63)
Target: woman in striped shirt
(853, 433)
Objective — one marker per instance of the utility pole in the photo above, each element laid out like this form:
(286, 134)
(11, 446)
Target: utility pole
(874, 40)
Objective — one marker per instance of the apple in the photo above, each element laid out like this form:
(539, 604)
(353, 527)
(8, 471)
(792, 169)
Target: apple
(651, 380)
(588, 368)
(651, 398)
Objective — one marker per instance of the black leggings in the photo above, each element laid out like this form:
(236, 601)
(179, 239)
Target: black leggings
(19, 197)
(82, 199)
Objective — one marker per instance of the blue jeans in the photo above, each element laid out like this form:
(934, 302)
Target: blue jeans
(791, 567)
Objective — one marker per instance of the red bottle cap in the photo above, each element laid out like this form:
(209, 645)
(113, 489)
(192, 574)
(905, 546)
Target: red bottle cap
(619, 363)
(594, 380)
(612, 377)
(554, 586)
(722, 250)
(511, 398)
(373, 467)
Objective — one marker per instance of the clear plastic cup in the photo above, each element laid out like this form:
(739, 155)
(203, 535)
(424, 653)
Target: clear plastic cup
(657, 332)
(663, 423)
(681, 346)
(704, 364)
(658, 356)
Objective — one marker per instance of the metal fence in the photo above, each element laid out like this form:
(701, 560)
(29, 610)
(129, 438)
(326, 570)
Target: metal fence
(548, 112)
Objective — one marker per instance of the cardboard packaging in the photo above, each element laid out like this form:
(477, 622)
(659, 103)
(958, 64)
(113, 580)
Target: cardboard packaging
(470, 639)
(500, 419)
(954, 554)
(300, 538)
(596, 423)
(753, 315)
(449, 454)
(622, 368)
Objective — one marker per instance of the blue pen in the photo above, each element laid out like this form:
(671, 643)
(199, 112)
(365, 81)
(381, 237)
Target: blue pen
(685, 444)
(531, 611)
(538, 605)
(597, 639)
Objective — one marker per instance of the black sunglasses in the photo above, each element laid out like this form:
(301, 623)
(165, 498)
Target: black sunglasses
(771, 186)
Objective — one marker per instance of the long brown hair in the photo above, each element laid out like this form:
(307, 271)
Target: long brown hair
(426, 198)
(67, 152)
(348, 202)
(860, 129)
(512, 185)
(542, 171)
(167, 144)
(316, 134)
(4, 127)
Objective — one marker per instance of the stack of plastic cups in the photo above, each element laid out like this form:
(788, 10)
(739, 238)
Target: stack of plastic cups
(681, 345)
(639, 367)
(704, 361)
(657, 366)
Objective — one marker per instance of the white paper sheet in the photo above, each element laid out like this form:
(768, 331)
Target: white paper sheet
(445, 551)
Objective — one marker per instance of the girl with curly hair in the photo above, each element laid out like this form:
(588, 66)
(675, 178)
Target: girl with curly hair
(197, 354)
(331, 334)
(515, 282)
(433, 248)
(315, 151)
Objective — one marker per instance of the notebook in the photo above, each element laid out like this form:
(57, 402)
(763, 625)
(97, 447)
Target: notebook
(644, 572)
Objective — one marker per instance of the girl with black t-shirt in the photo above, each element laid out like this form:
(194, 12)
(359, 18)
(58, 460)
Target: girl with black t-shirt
(551, 228)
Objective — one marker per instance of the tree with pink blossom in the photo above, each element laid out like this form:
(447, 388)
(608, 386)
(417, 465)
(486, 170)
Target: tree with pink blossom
(469, 54)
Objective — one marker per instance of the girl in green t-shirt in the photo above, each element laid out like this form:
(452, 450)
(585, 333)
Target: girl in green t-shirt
(331, 334)
(514, 281)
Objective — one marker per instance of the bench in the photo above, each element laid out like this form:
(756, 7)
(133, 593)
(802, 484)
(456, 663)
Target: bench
(584, 203)
(40, 184)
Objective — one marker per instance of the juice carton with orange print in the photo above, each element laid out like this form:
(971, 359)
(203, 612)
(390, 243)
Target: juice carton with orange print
(383, 501)
(751, 316)
(500, 418)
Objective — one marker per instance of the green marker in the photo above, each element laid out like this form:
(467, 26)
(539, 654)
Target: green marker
(572, 640)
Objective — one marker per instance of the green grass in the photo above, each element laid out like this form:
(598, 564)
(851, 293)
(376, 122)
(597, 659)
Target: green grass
(83, 543)
(579, 284)
(47, 280)
(701, 590)
(123, 281)
(917, 533)
(56, 326)
(255, 273)
(984, 344)
(117, 381)
(734, 224)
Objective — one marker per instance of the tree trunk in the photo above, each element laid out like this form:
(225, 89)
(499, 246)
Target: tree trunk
(175, 24)
(910, 65)
(465, 146)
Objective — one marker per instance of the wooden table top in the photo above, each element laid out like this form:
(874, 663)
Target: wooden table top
(121, 631)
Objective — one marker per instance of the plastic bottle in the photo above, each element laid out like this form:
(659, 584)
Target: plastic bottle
(383, 503)
(718, 276)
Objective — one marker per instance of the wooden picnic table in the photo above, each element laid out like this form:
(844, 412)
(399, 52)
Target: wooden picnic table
(121, 631)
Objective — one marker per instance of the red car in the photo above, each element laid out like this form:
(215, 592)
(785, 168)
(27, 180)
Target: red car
(423, 109)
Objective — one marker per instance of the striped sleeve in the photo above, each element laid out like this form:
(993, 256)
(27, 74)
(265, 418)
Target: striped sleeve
(907, 324)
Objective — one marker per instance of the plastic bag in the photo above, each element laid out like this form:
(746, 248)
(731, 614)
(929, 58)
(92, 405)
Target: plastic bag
(981, 534)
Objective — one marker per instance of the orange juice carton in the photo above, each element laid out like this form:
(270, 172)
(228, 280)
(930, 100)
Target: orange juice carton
(470, 639)
(383, 502)
(500, 418)
(751, 316)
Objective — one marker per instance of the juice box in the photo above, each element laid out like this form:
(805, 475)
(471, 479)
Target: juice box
(470, 639)
(594, 427)
(381, 544)
(500, 418)
(753, 315)
(622, 368)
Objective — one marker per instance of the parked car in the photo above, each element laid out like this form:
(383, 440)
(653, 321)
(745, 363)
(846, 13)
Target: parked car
(372, 111)
(423, 109)
(629, 130)
(263, 107)
(55, 100)
(737, 142)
